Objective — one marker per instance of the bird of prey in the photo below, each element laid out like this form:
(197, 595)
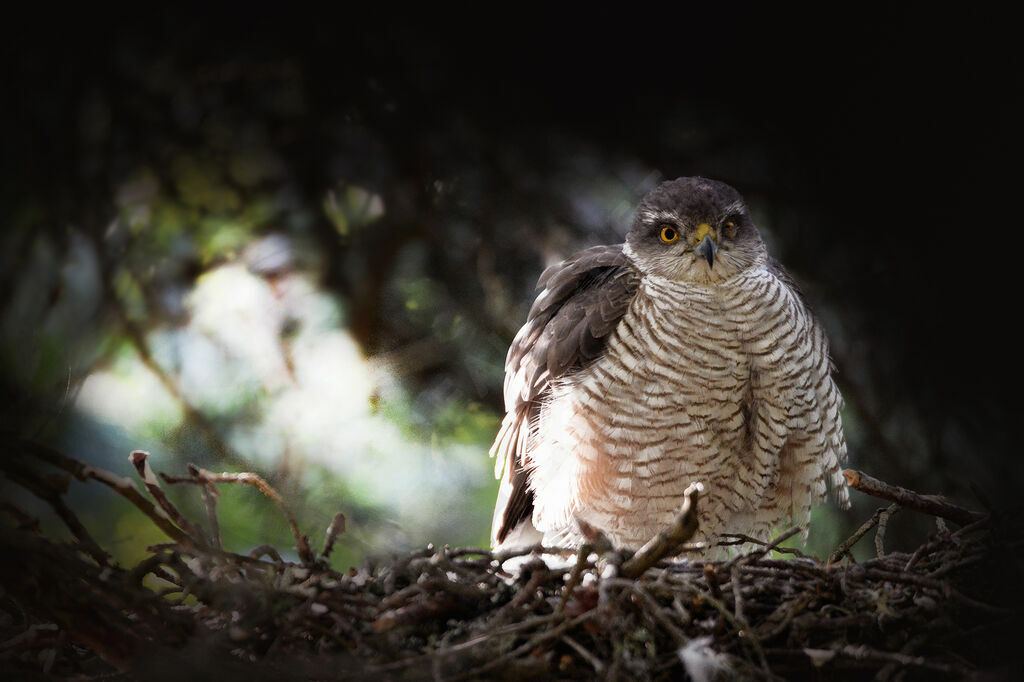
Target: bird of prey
(685, 354)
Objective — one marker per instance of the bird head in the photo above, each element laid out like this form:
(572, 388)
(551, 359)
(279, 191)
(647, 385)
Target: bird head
(695, 230)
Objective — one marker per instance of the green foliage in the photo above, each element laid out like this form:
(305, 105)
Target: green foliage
(328, 305)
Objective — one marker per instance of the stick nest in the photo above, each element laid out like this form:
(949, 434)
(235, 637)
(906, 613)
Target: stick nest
(191, 610)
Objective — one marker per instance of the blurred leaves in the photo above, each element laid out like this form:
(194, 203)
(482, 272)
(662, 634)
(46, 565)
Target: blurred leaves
(271, 243)
(352, 208)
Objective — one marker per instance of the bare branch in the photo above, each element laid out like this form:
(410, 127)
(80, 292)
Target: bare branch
(140, 460)
(669, 540)
(847, 544)
(336, 528)
(929, 504)
(246, 478)
(456, 614)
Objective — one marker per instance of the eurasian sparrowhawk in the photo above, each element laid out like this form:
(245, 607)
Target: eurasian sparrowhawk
(684, 354)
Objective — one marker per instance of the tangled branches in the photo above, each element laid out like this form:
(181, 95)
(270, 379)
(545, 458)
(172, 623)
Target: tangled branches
(191, 609)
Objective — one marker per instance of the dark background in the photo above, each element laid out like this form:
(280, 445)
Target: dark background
(879, 147)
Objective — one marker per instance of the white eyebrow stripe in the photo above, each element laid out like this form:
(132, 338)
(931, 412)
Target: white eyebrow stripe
(735, 207)
(661, 216)
(664, 216)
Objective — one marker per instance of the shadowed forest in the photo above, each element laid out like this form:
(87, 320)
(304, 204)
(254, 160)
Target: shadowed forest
(300, 245)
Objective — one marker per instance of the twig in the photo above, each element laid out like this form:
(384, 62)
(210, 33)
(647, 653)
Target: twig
(437, 596)
(668, 540)
(538, 574)
(140, 460)
(927, 504)
(883, 522)
(266, 550)
(655, 611)
(210, 494)
(254, 480)
(978, 605)
(122, 485)
(848, 543)
(757, 553)
(918, 553)
(530, 644)
(504, 555)
(737, 592)
(590, 658)
(586, 549)
(740, 538)
(336, 528)
(742, 629)
(865, 653)
(889, 670)
(454, 649)
(50, 489)
(787, 611)
(24, 520)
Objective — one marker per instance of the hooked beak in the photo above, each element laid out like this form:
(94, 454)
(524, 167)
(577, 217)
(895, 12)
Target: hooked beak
(707, 250)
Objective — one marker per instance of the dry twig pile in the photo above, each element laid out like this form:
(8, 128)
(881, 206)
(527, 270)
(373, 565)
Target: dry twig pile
(946, 611)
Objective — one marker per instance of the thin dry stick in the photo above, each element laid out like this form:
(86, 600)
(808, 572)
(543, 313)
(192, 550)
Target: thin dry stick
(918, 553)
(758, 553)
(574, 576)
(596, 663)
(336, 528)
(883, 522)
(864, 653)
(737, 592)
(846, 545)
(531, 644)
(668, 540)
(927, 504)
(126, 488)
(732, 539)
(50, 488)
(122, 485)
(890, 670)
(655, 611)
(742, 628)
(787, 602)
(785, 612)
(140, 460)
(247, 478)
(210, 494)
(451, 650)
(23, 519)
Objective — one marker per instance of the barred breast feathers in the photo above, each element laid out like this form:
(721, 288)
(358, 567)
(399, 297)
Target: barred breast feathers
(622, 387)
(743, 370)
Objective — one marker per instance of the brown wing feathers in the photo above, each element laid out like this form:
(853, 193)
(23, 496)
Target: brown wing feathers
(567, 327)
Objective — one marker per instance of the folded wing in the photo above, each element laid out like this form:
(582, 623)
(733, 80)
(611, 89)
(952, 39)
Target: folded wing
(568, 326)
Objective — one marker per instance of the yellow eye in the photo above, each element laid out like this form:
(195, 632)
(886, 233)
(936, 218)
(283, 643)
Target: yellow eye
(668, 234)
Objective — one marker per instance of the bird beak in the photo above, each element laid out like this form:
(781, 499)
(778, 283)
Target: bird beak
(707, 250)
